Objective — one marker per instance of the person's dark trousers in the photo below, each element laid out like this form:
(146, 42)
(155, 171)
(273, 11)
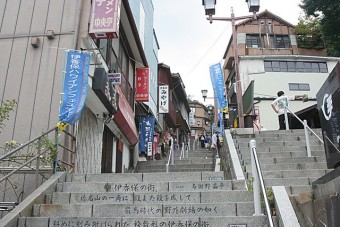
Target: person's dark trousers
(202, 143)
(282, 122)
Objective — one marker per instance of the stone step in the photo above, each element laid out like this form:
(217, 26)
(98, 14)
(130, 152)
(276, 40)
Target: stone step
(144, 210)
(145, 177)
(249, 221)
(288, 154)
(183, 161)
(289, 166)
(154, 187)
(284, 148)
(292, 173)
(298, 181)
(193, 196)
(279, 144)
(292, 131)
(269, 160)
(174, 170)
(276, 138)
(177, 166)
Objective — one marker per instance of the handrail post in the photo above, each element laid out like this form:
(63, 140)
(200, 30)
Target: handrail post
(256, 183)
(286, 118)
(37, 164)
(172, 155)
(309, 154)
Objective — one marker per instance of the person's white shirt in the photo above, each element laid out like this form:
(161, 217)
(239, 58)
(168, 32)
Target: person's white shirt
(281, 102)
(214, 141)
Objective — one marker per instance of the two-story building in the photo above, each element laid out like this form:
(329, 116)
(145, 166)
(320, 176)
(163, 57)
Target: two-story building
(269, 55)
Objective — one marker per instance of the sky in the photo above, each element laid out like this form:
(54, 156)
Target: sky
(189, 44)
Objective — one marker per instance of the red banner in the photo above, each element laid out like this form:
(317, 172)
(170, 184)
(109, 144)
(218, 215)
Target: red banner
(142, 84)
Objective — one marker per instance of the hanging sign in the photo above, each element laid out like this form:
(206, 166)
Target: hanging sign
(163, 99)
(146, 132)
(217, 81)
(105, 18)
(142, 84)
(75, 86)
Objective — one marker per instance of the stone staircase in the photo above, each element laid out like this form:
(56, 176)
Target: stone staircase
(192, 196)
(284, 162)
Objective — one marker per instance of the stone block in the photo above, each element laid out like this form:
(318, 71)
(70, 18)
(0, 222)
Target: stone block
(122, 210)
(245, 208)
(33, 222)
(83, 221)
(153, 222)
(199, 210)
(166, 198)
(212, 176)
(101, 198)
(65, 210)
(115, 177)
(226, 196)
(252, 221)
(116, 187)
(60, 198)
(201, 186)
(169, 177)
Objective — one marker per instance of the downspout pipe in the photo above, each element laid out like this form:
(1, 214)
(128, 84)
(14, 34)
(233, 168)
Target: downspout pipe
(77, 24)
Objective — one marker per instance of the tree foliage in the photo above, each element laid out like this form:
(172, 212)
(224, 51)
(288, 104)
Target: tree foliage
(308, 33)
(5, 108)
(328, 11)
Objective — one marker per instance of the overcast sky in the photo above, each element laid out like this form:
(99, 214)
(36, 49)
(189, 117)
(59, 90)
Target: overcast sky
(189, 44)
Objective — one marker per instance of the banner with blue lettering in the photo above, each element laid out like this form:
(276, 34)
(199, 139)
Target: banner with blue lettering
(146, 131)
(217, 81)
(75, 86)
(220, 118)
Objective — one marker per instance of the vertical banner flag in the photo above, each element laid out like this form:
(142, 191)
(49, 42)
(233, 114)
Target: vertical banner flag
(105, 17)
(142, 84)
(146, 131)
(75, 86)
(217, 81)
(163, 99)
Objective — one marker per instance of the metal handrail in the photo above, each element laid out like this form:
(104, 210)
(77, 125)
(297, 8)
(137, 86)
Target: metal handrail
(171, 157)
(303, 124)
(258, 181)
(330, 141)
(37, 156)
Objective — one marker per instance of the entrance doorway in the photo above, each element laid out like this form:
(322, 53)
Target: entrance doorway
(107, 150)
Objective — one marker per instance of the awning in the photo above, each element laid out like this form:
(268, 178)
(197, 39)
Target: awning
(125, 119)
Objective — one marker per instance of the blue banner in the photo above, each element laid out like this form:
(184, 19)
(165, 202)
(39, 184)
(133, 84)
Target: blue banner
(217, 81)
(146, 131)
(75, 86)
(220, 118)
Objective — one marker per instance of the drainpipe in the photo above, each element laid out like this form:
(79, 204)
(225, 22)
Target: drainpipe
(77, 24)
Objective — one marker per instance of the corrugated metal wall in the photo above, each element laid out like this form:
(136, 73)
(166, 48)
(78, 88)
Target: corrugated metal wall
(32, 76)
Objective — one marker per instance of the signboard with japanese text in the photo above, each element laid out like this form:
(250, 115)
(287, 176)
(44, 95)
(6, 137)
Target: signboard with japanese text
(115, 78)
(105, 18)
(75, 86)
(163, 99)
(217, 80)
(142, 84)
(146, 133)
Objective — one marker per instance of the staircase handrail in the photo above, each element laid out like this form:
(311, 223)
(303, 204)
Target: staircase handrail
(258, 181)
(304, 125)
(306, 128)
(171, 157)
(38, 155)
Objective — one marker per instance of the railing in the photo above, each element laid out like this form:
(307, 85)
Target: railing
(171, 157)
(306, 128)
(184, 151)
(43, 152)
(258, 182)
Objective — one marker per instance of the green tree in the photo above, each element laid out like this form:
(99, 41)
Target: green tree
(308, 33)
(328, 11)
(5, 108)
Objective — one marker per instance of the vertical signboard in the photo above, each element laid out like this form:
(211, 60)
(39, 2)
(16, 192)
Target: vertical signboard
(328, 102)
(163, 99)
(75, 86)
(217, 80)
(142, 84)
(146, 133)
(105, 18)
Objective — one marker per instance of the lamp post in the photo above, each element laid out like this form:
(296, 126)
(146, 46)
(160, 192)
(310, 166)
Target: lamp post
(253, 6)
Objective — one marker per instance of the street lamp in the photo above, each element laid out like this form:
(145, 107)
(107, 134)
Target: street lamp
(204, 94)
(254, 6)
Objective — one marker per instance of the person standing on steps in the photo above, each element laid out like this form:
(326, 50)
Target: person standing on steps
(281, 101)
(202, 139)
(216, 144)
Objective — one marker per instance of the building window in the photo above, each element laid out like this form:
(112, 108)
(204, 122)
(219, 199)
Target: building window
(253, 41)
(281, 41)
(299, 87)
(298, 66)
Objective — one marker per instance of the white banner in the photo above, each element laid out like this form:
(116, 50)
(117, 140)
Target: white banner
(163, 100)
